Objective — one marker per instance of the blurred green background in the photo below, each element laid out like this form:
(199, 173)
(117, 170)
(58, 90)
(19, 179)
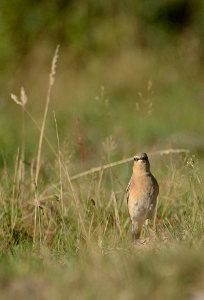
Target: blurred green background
(132, 70)
(129, 79)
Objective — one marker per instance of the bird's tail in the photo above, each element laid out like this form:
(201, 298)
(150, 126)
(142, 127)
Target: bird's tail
(136, 229)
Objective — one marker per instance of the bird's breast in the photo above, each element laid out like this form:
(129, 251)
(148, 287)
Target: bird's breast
(142, 197)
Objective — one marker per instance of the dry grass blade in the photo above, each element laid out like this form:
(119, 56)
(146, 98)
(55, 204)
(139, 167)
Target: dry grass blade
(14, 191)
(22, 102)
(51, 82)
(81, 219)
(123, 161)
(60, 166)
(117, 218)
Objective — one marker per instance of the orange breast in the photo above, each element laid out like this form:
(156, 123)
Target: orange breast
(142, 196)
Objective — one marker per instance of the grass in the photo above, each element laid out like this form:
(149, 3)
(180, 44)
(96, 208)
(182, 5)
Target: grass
(71, 238)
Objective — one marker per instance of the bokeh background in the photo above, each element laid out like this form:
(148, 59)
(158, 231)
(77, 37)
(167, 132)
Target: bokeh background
(128, 70)
(129, 78)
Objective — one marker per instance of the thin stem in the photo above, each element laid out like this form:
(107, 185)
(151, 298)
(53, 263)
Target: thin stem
(60, 166)
(123, 161)
(14, 190)
(76, 201)
(51, 82)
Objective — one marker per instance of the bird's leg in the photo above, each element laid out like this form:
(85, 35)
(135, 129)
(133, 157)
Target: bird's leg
(147, 226)
(136, 230)
(133, 231)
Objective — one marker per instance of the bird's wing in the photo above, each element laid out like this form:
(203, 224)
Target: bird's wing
(127, 190)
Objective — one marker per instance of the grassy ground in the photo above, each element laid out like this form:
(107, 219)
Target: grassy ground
(65, 238)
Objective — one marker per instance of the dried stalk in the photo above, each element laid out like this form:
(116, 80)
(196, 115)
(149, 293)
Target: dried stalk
(51, 82)
(123, 161)
(60, 167)
(117, 218)
(77, 202)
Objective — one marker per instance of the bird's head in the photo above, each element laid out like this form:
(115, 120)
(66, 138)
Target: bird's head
(141, 163)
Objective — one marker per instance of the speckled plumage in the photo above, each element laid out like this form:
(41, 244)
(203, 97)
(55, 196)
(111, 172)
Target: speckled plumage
(142, 192)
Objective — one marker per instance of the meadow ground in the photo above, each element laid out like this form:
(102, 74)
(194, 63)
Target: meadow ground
(64, 238)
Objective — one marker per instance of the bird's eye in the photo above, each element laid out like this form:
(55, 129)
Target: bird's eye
(136, 159)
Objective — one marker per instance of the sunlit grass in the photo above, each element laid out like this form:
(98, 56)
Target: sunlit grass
(75, 239)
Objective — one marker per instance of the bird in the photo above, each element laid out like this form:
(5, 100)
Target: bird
(141, 193)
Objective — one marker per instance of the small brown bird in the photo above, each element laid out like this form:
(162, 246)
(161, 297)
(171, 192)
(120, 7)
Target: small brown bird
(142, 192)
